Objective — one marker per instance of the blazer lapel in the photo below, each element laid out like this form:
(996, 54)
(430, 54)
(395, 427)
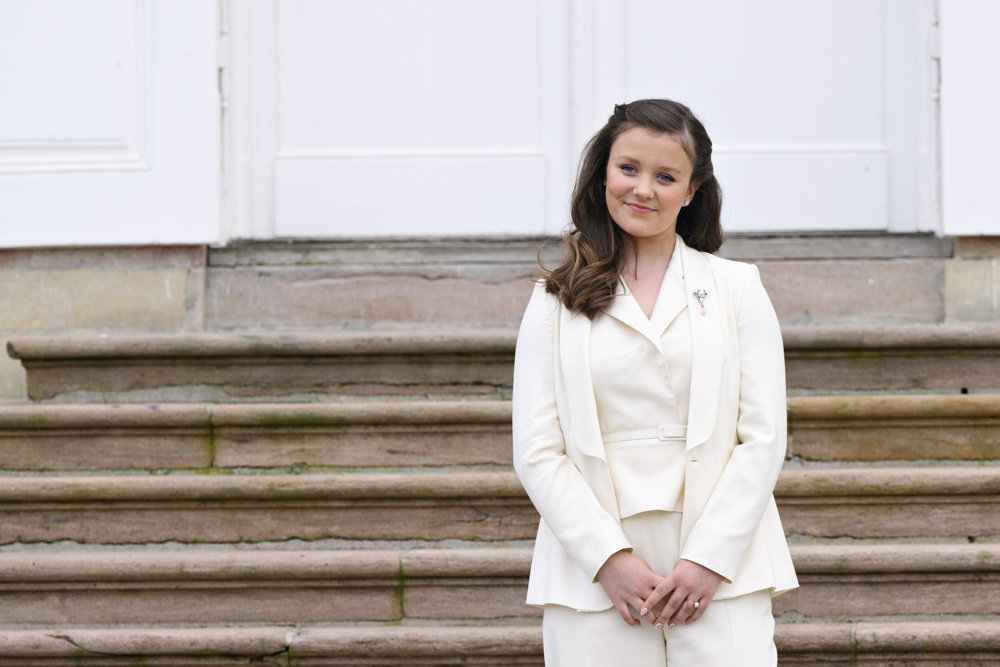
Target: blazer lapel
(707, 346)
(626, 310)
(574, 357)
(670, 301)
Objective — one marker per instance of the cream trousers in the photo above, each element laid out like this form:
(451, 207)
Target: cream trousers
(737, 632)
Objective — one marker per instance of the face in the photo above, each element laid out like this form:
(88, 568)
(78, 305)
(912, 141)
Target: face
(648, 181)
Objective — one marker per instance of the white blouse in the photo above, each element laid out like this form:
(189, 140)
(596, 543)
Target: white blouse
(645, 437)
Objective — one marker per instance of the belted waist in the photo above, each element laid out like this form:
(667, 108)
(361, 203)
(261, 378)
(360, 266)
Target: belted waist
(662, 432)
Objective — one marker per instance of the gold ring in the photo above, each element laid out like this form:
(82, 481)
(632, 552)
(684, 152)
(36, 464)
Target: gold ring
(695, 604)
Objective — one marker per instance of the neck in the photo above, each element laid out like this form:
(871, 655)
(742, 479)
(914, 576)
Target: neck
(649, 255)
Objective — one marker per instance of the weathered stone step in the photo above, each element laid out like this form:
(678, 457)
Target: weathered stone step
(890, 502)
(202, 586)
(861, 503)
(857, 581)
(894, 427)
(235, 367)
(824, 429)
(467, 362)
(252, 508)
(232, 586)
(919, 357)
(862, 643)
(222, 436)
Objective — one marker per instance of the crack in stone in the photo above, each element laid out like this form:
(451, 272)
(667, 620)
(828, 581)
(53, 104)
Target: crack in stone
(265, 658)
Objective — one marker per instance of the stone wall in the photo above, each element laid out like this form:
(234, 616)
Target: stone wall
(63, 290)
(850, 279)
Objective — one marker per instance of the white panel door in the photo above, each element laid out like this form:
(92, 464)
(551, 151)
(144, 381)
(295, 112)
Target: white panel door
(970, 106)
(109, 122)
(821, 112)
(466, 117)
(393, 117)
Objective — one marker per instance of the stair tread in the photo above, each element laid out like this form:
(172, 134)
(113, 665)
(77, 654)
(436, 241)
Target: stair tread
(420, 340)
(494, 561)
(411, 484)
(821, 407)
(932, 637)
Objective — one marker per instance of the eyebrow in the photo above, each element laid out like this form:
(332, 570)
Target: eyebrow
(627, 158)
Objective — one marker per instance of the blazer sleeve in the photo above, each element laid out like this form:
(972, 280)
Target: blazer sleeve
(584, 528)
(723, 532)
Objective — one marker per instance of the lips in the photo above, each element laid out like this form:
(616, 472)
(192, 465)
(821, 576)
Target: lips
(639, 208)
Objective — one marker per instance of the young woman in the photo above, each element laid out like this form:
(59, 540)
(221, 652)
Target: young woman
(649, 415)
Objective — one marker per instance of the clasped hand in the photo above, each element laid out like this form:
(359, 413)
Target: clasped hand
(630, 582)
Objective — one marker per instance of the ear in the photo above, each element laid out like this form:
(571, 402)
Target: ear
(692, 188)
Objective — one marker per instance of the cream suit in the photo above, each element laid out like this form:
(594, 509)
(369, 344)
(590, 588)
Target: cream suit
(733, 451)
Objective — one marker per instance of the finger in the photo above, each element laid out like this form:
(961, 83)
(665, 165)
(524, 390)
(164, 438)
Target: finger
(659, 593)
(625, 613)
(637, 604)
(688, 608)
(651, 614)
(698, 613)
(646, 611)
(672, 609)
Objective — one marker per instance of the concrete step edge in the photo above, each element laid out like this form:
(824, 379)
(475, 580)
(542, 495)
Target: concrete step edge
(132, 567)
(802, 410)
(149, 416)
(351, 486)
(892, 407)
(75, 642)
(474, 341)
(401, 641)
(409, 485)
(881, 482)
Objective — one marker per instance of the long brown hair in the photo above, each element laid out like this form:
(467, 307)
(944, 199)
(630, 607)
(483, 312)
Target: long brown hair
(587, 280)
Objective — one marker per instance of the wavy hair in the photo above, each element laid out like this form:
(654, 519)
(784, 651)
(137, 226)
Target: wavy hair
(587, 280)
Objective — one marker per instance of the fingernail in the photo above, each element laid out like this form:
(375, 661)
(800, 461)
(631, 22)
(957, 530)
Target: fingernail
(659, 626)
(671, 626)
(643, 611)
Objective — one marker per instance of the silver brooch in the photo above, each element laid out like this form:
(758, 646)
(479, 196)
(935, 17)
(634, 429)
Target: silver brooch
(700, 294)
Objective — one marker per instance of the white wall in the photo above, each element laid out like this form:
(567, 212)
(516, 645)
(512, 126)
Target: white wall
(458, 117)
(970, 109)
(109, 122)
(436, 117)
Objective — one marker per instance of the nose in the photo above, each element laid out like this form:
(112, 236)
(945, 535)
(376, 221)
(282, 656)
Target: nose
(642, 188)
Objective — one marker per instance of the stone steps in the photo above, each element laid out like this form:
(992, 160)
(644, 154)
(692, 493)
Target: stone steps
(223, 436)
(838, 582)
(299, 499)
(857, 643)
(923, 502)
(471, 363)
(892, 427)
(823, 430)
(474, 363)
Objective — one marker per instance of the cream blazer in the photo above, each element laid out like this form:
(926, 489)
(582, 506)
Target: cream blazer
(734, 449)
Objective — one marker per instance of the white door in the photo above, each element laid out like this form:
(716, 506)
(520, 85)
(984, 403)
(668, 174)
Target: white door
(395, 117)
(109, 122)
(466, 117)
(821, 112)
